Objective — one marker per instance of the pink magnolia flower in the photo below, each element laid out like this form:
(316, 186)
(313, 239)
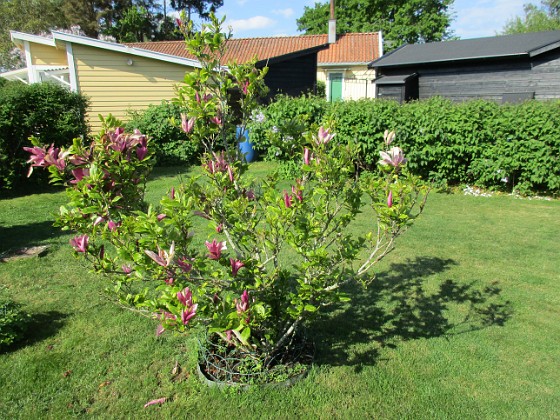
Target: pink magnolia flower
(287, 200)
(306, 154)
(172, 193)
(393, 157)
(163, 258)
(164, 317)
(79, 174)
(161, 216)
(112, 226)
(243, 305)
(185, 297)
(245, 87)
(188, 313)
(230, 173)
(37, 157)
(127, 269)
(80, 243)
(390, 199)
(229, 335)
(250, 194)
(219, 164)
(44, 158)
(179, 22)
(98, 220)
(215, 249)
(235, 266)
(159, 331)
(78, 160)
(324, 135)
(184, 265)
(388, 137)
(187, 125)
(298, 193)
(141, 152)
(216, 120)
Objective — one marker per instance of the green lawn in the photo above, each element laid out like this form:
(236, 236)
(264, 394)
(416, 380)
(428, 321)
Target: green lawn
(463, 321)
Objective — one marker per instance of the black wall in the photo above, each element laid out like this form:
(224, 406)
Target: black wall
(292, 76)
(488, 79)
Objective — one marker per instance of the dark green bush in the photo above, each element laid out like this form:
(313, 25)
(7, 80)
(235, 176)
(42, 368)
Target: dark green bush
(13, 321)
(162, 124)
(45, 110)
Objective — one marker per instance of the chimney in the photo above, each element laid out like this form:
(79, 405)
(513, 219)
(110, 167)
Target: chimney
(332, 25)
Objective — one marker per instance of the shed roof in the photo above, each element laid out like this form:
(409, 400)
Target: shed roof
(529, 45)
(350, 48)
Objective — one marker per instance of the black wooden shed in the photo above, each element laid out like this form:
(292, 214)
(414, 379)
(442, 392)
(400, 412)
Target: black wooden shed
(501, 68)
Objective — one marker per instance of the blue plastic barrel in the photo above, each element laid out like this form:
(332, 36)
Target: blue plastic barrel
(245, 147)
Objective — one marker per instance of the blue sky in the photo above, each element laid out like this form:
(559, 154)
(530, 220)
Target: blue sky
(252, 18)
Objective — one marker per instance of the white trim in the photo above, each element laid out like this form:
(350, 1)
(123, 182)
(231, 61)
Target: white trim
(112, 46)
(31, 73)
(380, 39)
(15, 75)
(356, 63)
(37, 39)
(72, 68)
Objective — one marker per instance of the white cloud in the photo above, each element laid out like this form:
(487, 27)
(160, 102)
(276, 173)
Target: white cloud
(241, 2)
(255, 22)
(289, 12)
(484, 18)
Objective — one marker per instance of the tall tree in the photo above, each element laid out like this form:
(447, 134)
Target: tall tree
(201, 7)
(32, 16)
(545, 17)
(402, 21)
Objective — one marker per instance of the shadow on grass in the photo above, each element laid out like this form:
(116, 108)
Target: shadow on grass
(400, 305)
(38, 328)
(19, 236)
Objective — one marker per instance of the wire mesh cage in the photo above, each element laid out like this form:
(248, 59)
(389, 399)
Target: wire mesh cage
(224, 363)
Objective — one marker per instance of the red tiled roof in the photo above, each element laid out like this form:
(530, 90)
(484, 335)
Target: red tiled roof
(349, 48)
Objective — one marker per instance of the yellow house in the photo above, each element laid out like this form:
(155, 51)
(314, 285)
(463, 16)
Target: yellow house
(114, 77)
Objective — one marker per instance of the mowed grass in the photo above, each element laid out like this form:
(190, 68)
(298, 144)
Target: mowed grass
(462, 321)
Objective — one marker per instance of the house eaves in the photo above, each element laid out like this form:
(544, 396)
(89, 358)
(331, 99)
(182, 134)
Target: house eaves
(37, 39)
(111, 46)
(478, 49)
(291, 56)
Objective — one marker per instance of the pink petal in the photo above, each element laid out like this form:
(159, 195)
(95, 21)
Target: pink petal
(154, 402)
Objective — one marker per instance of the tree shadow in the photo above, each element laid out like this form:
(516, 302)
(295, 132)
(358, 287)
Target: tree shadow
(402, 305)
(38, 328)
(19, 236)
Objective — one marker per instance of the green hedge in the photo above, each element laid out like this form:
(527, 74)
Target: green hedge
(279, 134)
(45, 110)
(162, 124)
(508, 147)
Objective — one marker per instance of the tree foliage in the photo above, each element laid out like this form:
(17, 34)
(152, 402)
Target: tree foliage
(545, 17)
(402, 21)
(201, 7)
(32, 16)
